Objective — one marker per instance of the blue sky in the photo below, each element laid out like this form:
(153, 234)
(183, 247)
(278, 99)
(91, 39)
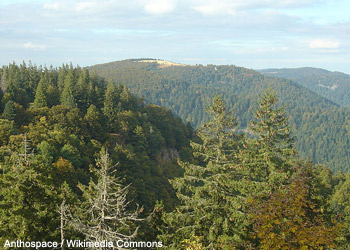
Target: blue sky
(249, 33)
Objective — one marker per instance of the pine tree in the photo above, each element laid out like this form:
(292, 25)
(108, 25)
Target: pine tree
(268, 154)
(340, 201)
(67, 96)
(209, 191)
(62, 72)
(110, 108)
(95, 123)
(105, 207)
(27, 198)
(41, 93)
(272, 129)
(10, 111)
(82, 89)
(268, 157)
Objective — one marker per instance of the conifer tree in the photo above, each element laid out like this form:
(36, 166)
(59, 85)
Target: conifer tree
(272, 129)
(53, 96)
(110, 105)
(67, 96)
(40, 94)
(209, 193)
(82, 89)
(9, 111)
(340, 201)
(62, 72)
(267, 156)
(95, 123)
(27, 198)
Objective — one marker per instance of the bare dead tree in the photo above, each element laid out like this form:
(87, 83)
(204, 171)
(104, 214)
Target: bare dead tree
(107, 217)
(63, 209)
(27, 150)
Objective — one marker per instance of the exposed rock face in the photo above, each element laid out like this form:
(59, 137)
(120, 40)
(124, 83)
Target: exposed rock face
(169, 154)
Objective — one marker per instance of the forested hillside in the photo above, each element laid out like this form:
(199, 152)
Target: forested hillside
(321, 127)
(334, 86)
(60, 118)
(84, 160)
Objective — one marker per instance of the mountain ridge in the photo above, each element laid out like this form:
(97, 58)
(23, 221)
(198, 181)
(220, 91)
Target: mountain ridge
(333, 85)
(321, 126)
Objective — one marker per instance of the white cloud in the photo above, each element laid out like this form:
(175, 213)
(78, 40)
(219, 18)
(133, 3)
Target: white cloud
(159, 6)
(214, 7)
(33, 46)
(87, 6)
(54, 6)
(95, 6)
(79, 6)
(80, 30)
(324, 44)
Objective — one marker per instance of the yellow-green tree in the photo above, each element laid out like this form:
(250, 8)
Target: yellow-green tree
(291, 219)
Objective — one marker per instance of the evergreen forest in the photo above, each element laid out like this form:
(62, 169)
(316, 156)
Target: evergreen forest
(261, 162)
(321, 127)
(334, 86)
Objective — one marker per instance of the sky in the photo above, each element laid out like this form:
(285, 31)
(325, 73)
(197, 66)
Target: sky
(254, 34)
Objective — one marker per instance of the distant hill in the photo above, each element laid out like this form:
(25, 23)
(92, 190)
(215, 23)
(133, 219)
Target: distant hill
(334, 86)
(321, 126)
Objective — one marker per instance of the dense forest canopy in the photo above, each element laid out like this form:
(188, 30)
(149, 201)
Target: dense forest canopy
(334, 86)
(67, 115)
(320, 125)
(83, 158)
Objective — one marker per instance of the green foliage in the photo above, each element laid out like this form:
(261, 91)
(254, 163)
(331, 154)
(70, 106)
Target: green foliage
(238, 178)
(41, 99)
(72, 154)
(209, 192)
(250, 193)
(334, 86)
(320, 126)
(7, 128)
(95, 123)
(46, 151)
(9, 111)
(67, 97)
(66, 138)
(268, 155)
(111, 103)
(340, 201)
(28, 200)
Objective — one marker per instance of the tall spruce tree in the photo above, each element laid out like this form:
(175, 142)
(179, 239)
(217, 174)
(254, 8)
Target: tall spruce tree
(28, 198)
(211, 204)
(10, 111)
(41, 93)
(67, 96)
(268, 154)
(111, 101)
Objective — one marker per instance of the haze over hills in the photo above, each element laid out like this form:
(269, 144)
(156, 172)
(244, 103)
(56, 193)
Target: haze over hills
(322, 127)
(334, 86)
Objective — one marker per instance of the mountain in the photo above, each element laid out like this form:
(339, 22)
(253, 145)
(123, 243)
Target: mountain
(322, 127)
(67, 115)
(334, 86)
